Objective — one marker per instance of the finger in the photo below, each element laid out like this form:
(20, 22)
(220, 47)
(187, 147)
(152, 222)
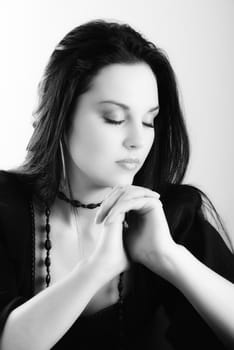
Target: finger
(120, 193)
(123, 193)
(144, 189)
(144, 205)
(130, 193)
(108, 203)
(139, 192)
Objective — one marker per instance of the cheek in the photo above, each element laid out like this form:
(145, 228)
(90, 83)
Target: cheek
(91, 146)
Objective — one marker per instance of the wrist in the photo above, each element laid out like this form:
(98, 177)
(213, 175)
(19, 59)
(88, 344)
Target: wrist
(100, 270)
(90, 272)
(177, 263)
(169, 262)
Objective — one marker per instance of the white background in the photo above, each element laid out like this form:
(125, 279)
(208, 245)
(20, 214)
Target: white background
(198, 37)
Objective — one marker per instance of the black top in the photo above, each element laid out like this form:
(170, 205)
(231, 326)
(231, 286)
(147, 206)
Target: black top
(156, 314)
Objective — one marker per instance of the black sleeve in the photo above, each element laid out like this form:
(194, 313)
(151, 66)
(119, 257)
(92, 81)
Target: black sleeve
(185, 328)
(9, 294)
(15, 246)
(189, 227)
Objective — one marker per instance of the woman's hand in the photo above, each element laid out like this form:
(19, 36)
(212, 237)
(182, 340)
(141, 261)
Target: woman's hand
(148, 239)
(109, 252)
(149, 242)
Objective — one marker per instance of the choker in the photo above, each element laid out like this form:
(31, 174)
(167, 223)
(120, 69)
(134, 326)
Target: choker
(77, 204)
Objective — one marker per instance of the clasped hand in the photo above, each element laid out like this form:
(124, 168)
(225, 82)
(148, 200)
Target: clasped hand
(148, 238)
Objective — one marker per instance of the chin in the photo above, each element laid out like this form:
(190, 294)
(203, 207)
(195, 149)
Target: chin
(123, 181)
(116, 181)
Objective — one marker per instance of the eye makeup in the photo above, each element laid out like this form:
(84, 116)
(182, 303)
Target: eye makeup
(108, 120)
(117, 117)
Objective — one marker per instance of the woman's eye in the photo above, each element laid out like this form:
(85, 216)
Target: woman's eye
(121, 121)
(118, 122)
(111, 121)
(107, 118)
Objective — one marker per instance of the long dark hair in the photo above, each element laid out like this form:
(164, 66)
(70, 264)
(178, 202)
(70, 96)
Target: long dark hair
(69, 73)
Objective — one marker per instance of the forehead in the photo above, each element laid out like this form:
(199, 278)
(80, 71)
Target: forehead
(132, 84)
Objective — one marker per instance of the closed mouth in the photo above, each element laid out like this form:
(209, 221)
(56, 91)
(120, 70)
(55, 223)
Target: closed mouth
(129, 161)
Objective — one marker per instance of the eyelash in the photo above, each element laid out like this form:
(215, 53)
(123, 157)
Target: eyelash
(110, 121)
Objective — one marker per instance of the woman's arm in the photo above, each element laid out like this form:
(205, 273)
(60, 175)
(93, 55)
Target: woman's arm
(150, 243)
(209, 293)
(45, 318)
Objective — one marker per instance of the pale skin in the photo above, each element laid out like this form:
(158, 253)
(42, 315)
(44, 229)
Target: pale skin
(94, 176)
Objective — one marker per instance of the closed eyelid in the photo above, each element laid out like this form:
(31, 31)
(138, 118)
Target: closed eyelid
(119, 115)
(113, 112)
(121, 120)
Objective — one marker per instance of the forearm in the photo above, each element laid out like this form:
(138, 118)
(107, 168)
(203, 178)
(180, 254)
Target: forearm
(210, 294)
(45, 318)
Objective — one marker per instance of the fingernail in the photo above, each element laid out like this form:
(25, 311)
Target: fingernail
(97, 220)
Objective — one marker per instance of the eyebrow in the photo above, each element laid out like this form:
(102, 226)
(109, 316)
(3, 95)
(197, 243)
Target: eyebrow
(125, 107)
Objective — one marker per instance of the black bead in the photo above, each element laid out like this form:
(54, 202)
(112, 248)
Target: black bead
(47, 211)
(48, 244)
(91, 206)
(48, 279)
(47, 261)
(76, 203)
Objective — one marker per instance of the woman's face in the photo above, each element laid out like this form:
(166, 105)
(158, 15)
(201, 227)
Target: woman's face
(113, 122)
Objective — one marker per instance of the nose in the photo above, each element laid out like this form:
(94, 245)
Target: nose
(134, 137)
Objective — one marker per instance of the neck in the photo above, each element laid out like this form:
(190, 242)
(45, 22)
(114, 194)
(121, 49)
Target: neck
(83, 188)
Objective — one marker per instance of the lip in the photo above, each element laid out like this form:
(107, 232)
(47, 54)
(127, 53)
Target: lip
(129, 161)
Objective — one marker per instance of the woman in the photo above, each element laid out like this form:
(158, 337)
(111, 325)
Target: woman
(101, 244)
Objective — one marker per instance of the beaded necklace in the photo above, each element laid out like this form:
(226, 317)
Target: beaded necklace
(47, 261)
